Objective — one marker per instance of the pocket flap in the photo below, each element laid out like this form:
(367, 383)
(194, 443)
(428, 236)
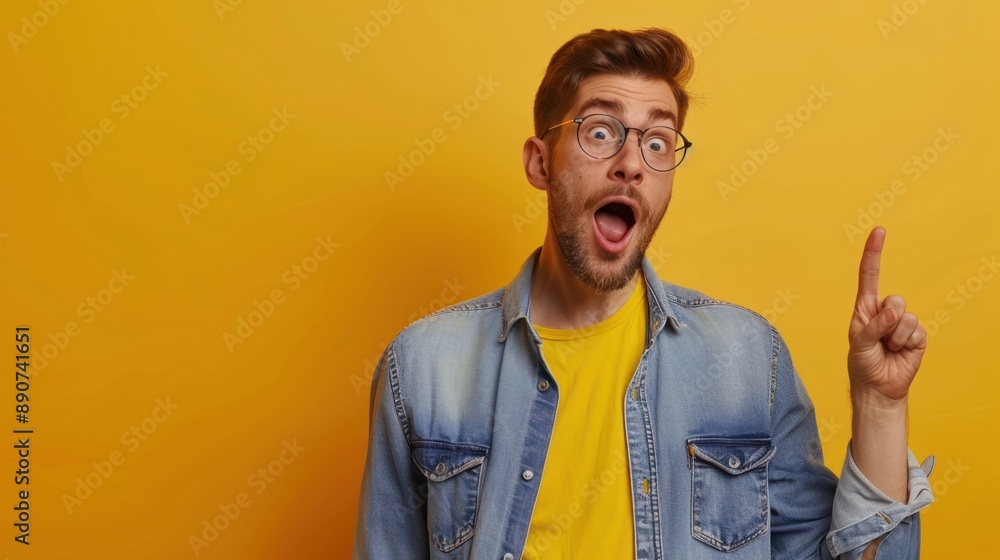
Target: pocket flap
(732, 455)
(440, 461)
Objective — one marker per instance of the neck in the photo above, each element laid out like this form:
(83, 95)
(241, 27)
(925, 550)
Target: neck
(559, 300)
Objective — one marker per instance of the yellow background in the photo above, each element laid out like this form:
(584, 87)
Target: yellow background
(460, 225)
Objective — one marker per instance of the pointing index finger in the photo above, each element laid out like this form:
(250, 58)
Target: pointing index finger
(870, 264)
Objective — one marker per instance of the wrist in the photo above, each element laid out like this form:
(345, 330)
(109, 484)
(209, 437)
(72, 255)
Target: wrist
(879, 434)
(875, 403)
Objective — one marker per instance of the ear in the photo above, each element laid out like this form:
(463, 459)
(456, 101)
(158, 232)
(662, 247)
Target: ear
(537, 163)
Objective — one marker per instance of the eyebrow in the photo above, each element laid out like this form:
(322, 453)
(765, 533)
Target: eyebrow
(615, 106)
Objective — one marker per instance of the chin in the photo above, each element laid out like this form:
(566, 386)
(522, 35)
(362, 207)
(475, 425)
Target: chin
(611, 271)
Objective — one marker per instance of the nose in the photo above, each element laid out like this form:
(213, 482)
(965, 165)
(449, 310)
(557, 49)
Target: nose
(627, 164)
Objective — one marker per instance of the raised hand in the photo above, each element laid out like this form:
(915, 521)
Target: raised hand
(887, 342)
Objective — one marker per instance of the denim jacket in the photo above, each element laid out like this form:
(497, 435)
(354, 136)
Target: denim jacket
(723, 449)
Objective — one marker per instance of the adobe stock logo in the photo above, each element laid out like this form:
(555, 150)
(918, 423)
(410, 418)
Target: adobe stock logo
(293, 277)
(914, 168)
(249, 148)
(782, 303)
(364, 35)
(30, 26)
(562, 12)
(534, 208)
(962, 294)
(222, 7)
(954, 471)
(787, 125)
(900, 16)
(133, 438)
(87, 310)
(610, 478)
(94, 137)
(259, 480)
(714, 29)
(455, 115)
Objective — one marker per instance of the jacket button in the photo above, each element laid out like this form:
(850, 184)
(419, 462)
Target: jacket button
(543, 385)
(527, 475)
(733, 462)
(508, 556)
(440, 468)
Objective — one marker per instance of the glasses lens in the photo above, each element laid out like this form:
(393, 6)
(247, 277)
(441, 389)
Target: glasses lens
(662, 148)
(601, 135)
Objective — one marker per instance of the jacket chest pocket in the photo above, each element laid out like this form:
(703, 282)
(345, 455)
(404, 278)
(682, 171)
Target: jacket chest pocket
(729, 500)
(454, 477)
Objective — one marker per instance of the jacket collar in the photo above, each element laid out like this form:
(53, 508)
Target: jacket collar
(516, 299)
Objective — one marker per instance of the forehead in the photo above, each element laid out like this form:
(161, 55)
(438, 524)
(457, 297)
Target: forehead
(637, 99)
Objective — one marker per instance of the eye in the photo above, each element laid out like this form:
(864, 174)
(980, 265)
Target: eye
(600, 133)
(660, 141)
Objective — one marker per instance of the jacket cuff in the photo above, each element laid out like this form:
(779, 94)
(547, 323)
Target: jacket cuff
(862, 512)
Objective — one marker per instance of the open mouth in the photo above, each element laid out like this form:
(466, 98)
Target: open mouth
(612, 224)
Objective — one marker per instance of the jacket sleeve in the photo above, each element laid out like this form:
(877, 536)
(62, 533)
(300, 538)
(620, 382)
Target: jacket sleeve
(801, 488)
(812, 514)
(862, 513)
(391, 520)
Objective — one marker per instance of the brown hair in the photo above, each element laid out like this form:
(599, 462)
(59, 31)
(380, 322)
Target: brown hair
(647, 53)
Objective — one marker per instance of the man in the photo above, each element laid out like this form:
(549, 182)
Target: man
(592, 410)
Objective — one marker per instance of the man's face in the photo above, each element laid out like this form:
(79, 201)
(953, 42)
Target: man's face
(604, 212)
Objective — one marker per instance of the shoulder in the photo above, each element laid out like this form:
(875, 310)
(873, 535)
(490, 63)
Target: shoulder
(444, 359)
(706, 313)
(466, 321)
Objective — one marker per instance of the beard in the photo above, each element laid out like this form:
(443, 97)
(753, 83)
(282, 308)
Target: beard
(571, 220)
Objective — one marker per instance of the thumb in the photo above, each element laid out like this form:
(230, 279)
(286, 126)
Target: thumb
(880, 325)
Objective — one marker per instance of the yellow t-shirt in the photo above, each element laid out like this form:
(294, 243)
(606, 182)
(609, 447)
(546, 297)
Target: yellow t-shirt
(584, 505)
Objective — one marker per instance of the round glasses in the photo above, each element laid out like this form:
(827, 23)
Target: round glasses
(602, 136)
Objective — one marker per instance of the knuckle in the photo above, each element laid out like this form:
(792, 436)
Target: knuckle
(895, 299)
